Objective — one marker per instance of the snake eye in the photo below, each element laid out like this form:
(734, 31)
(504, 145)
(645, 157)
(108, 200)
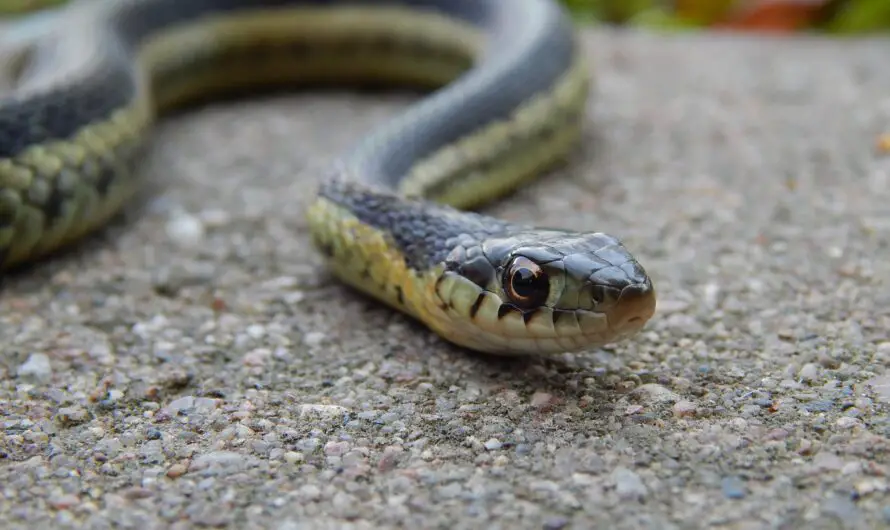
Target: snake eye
(526, 283)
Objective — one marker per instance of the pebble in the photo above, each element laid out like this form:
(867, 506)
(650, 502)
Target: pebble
(733, 487)
(37, 366)
(809, 372)
(493, 444)
(540, 400)
(185, 229)
(136, 493)
(293, 457)
(870, 485)
(790, 384)
(846, 422)
(64, 502)
(501, 460)
(683, 409)
(805, 447)
(633, 409)
(653, 393)
(224, 459)
(309, 492)
(153, 434)
(628, 484)
(828, 461)
(391, 456)
(329, 412)
(555, 523)
(308, 445)
(776, 434)
(336, 448)
(880, 385)
(314, 338)
(75, 415)
(205, 404)
(181, 405)
(257, 357)
(177, 470)
(842, 508)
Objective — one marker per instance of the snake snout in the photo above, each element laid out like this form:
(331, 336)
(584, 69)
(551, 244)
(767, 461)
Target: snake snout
(625, 294)
(634, 307)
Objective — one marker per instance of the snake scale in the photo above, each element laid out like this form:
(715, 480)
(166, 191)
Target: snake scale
(395, 215)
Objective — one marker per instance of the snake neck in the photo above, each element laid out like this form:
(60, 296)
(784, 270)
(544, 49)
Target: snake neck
(423, 233)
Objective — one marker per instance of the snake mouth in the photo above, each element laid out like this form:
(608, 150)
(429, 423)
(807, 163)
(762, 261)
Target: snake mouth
(482, 319)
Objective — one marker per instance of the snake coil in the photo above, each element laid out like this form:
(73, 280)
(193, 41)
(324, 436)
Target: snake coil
(507, 86)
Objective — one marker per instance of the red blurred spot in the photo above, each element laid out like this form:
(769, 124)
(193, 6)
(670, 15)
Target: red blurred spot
(773, 16)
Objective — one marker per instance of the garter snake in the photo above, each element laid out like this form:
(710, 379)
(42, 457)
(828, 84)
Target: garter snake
(394, 216)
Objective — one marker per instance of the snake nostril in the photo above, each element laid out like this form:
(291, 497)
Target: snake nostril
(598, 294)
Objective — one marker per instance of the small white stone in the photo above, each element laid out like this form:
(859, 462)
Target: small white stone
(870, 485)
(37, 366)
(293, 457)
(281, 283)
(314, 338)
(809, 372)
(256, 331)
(847, 422)
(501, 461)
(185, 229)
(293, 297)
(322, 411)
(493, 444)
(181, 404)
(655, 394)
(628, 484)
(685, 409)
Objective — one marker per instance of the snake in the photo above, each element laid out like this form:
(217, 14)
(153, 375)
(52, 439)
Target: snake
(503, 86)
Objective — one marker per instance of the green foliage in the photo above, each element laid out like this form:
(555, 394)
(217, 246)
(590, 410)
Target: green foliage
(17, 7)
(837, 16)
(862, 16)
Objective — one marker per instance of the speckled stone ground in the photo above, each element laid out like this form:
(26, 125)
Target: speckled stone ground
(196, 365)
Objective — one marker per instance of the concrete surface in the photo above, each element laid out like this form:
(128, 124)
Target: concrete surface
(195, 365)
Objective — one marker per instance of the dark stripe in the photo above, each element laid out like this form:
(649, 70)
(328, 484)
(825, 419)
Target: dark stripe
(477, 304)
(107, 176)
(54, 204)
(505, 310)
(558, 314)
(325, 248)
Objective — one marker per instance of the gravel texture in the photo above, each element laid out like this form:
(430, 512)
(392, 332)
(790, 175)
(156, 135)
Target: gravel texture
(196, 365)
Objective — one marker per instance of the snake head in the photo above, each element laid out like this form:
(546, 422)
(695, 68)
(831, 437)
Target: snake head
(542, 291)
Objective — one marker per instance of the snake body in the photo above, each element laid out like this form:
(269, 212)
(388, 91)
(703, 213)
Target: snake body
(392, 216)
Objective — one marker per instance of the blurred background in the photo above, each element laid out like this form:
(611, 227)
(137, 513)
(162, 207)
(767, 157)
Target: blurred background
(774, 16)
